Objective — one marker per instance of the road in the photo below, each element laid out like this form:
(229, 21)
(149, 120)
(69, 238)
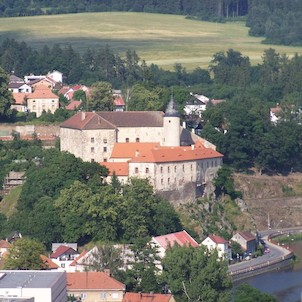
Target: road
(276, 252)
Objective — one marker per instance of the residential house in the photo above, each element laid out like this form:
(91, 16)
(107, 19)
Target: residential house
(34, 286)
(162, 243)
(17, 87)
(5, 246)
(47, 82)
(214, 242)
(247, 241)
(42, 100)
(94, 287)
(63, 256)
(73, 105)
(49, 264)
(275, 113)
(145, 297)
(196, 104)
(19, 101)
(56, 75)
(119, 104)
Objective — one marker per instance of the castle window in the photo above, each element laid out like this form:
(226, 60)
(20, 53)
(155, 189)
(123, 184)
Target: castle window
(136, 170)
(92, 139)
(92, 149)
(191, 167)
(162, 181)
(105, 149)
(211, 163)
(169, 180)
(183, 168)
(161, 169)
(105, 140)
(92, 160)
(137, 139)
(168, 169)
(147, 170)
(127, 139)
(105, 159)
(175, 169)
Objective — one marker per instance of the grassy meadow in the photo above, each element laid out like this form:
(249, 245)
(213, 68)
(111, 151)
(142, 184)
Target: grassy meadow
(160, 39)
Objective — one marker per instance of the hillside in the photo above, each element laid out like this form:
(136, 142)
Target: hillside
(157, 38)
(273, 199)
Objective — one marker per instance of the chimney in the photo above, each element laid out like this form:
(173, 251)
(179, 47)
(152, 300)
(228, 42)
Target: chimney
(136, 153)
(192, 147)
(83, 115)
(184, 124)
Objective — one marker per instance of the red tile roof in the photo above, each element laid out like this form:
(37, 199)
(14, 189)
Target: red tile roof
(63, 90)
(154, 153)
(120, 168)
(119, 101)
(218, 239)
(73, 105)
(141, 297)
(42, 92)
(4, 244)
(92, 280)
(181, 238)
(48, 262)
(61, 250)
(19, 98)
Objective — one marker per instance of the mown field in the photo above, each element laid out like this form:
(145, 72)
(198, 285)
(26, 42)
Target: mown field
(161, 39)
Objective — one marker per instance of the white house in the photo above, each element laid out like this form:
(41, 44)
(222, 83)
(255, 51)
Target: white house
(196, 104)
(214, 242)
(63, 256)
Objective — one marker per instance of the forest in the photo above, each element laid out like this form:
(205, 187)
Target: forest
(278, 21)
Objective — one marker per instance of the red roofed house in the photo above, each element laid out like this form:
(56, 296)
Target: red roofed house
(213, 242)
(142, 297)
(247, 241)
(162, 243)
(63, 256)
(5, 246)
(147, 144)
(19, 101)
(42, 99)
(94, 287)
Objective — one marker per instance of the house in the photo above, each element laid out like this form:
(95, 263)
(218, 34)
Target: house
(275, 113)
(182, 238)
(247, 241)
(19, 101)
(63, 256)
(148, 144)
(35, 286)
(17, 87)
(214, 242)
(94, 287)
(118, 102)
(42, 100)
(145, 297)
(56, 75)
(47, 82)
(5, 246)
(73, 105)
(196, 104)
(48, 263)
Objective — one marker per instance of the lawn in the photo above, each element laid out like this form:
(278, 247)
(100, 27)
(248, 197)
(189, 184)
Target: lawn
(160, 39)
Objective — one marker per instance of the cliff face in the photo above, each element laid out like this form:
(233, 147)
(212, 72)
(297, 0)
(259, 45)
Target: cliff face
(272, 200)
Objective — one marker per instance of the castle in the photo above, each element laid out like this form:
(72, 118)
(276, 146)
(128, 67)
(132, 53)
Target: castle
(179, 164)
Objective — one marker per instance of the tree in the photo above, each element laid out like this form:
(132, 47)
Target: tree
(25, 255)
(101, 98)
(5, 96)
(104, 257)
(142, 276)
(247, 293)
(194, 274)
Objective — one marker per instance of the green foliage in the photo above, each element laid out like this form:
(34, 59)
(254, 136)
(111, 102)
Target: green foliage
(195, 274)
(25, 255)
(142, 276)
(5, 96)
(101, 98)
(247, 293)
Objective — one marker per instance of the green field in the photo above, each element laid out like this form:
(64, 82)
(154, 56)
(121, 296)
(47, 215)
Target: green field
(161, 39)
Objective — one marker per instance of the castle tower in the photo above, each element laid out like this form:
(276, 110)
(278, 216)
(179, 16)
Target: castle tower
(171, 131)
